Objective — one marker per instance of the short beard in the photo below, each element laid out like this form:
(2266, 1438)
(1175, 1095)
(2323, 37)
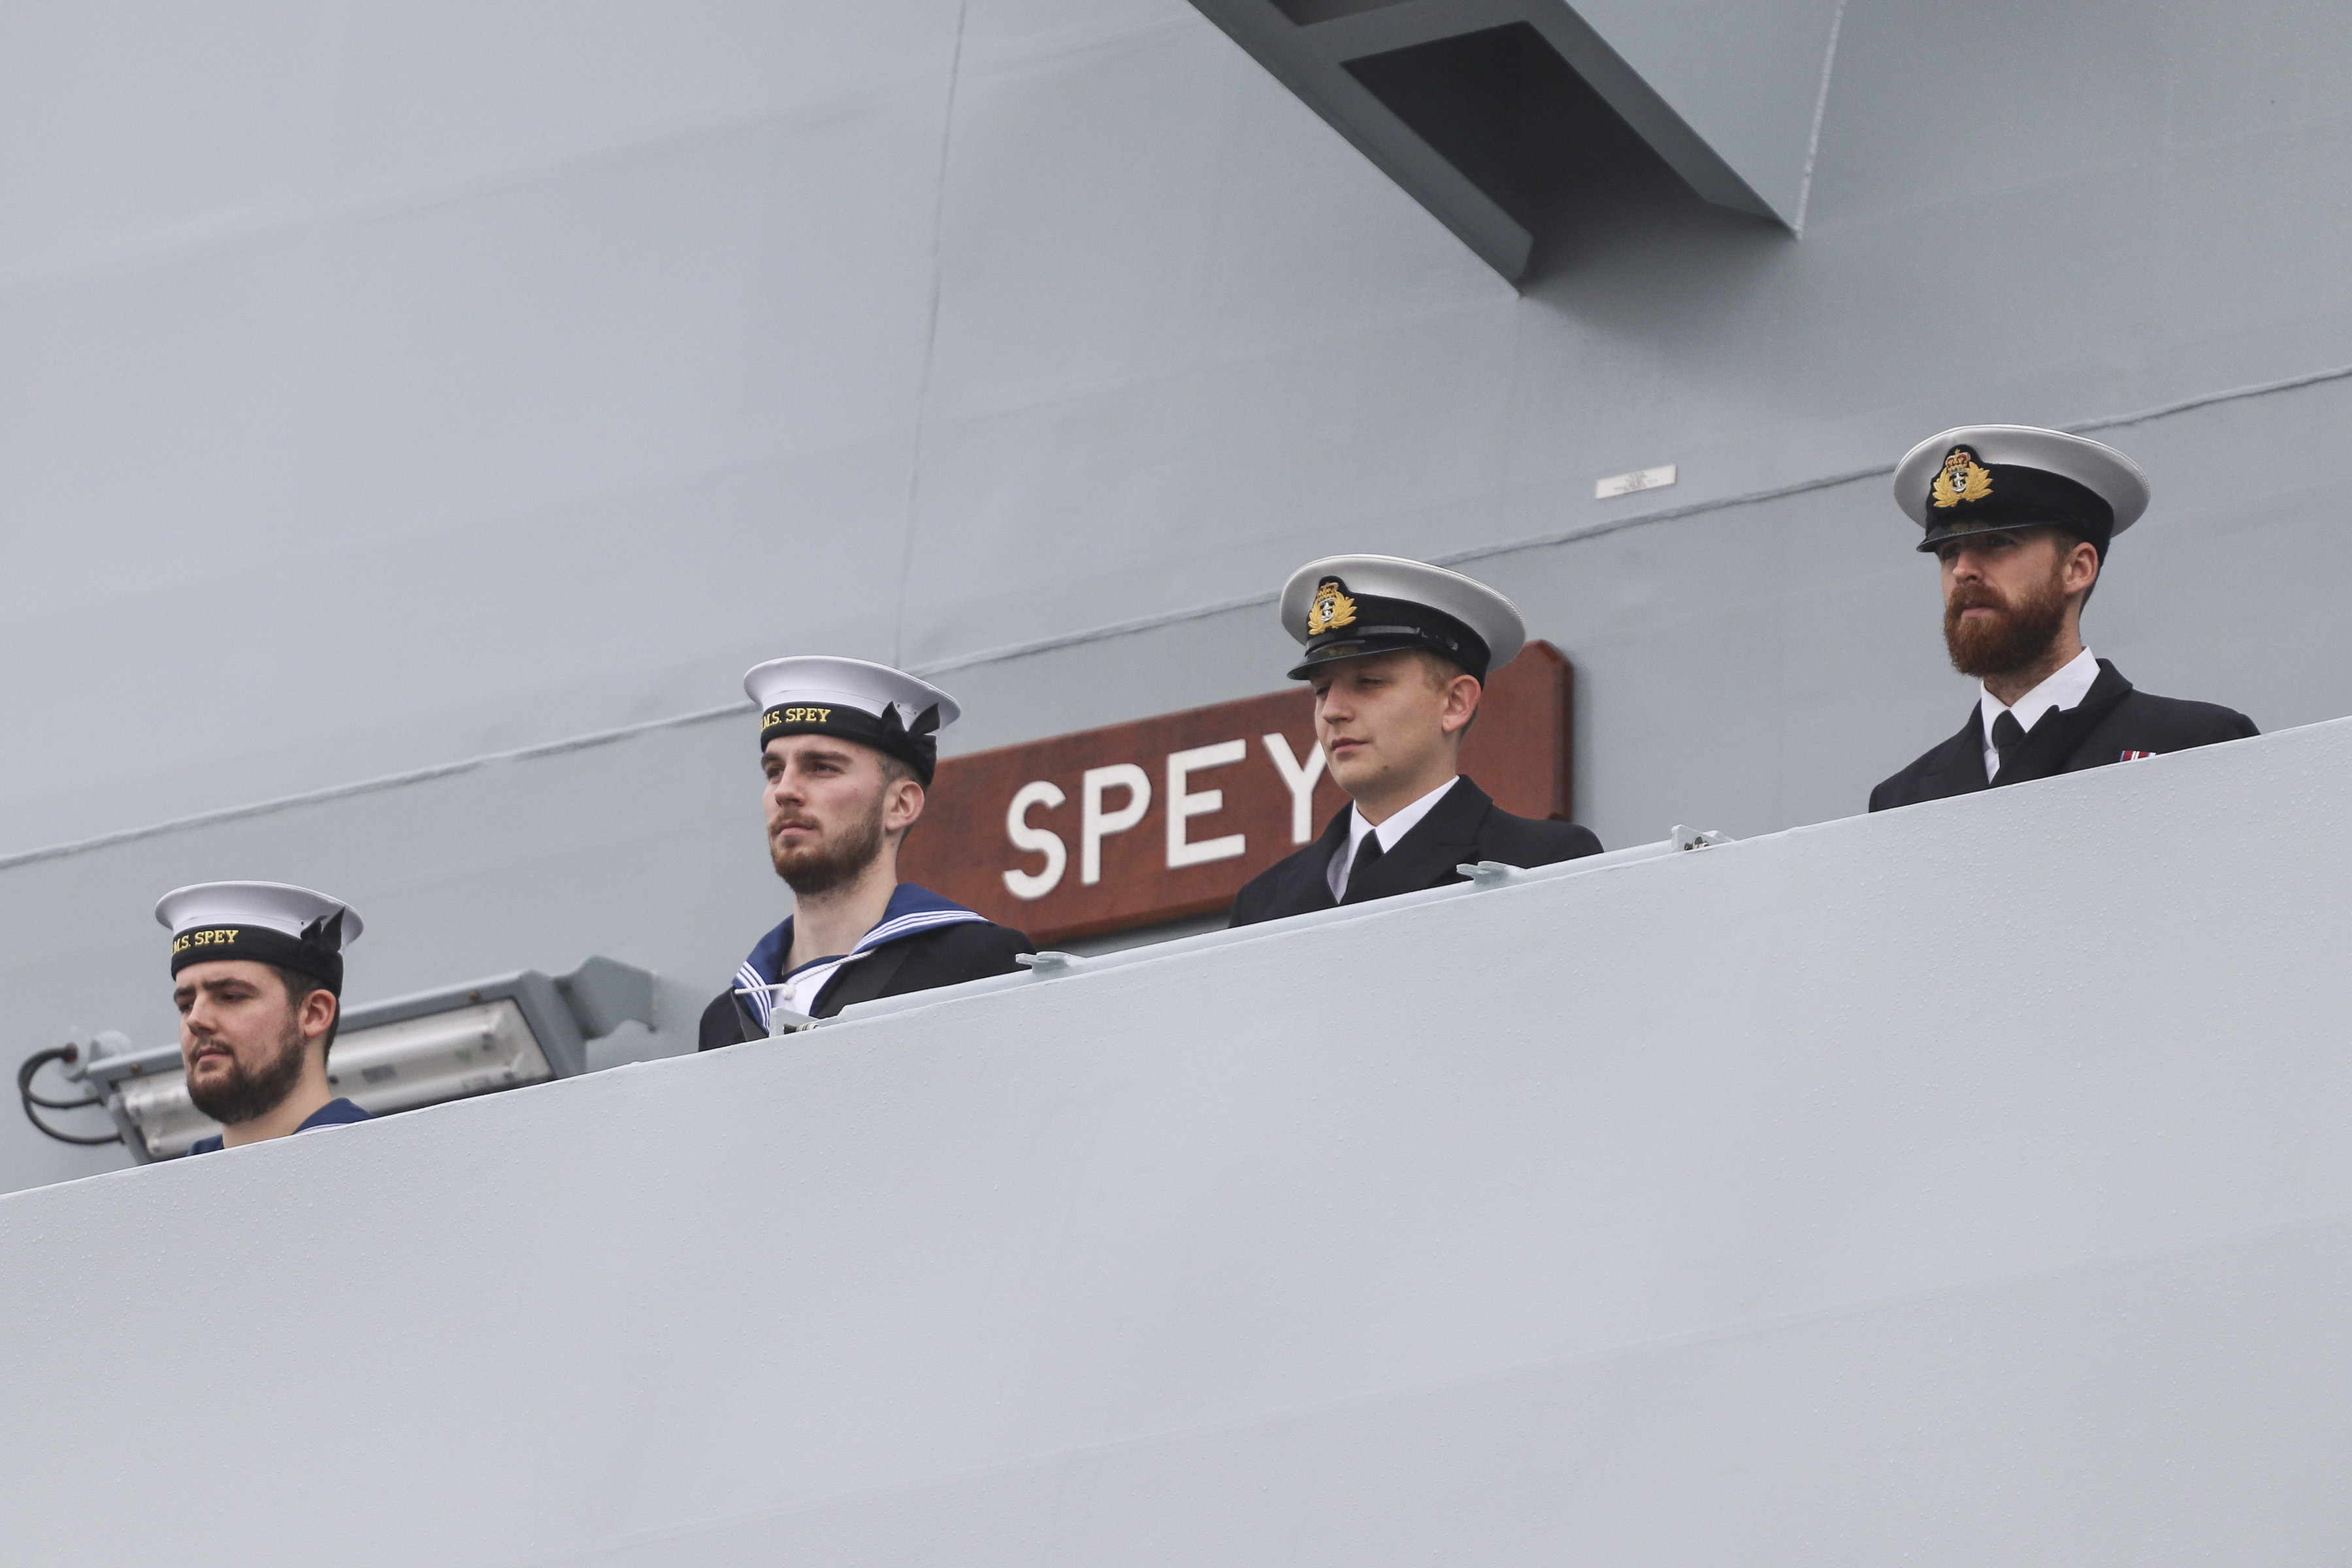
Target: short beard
(248, 1096)
(2011, 638)
(824, 868)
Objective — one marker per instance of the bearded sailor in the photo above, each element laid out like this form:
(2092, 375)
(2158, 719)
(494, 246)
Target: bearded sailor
(2020, 521)
(848, 749)
(257, 976)
(1397, 653)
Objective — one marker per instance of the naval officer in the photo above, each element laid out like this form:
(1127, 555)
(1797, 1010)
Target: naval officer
(2021, 520)
(1397, 653)
(258, 975)
(848, 748)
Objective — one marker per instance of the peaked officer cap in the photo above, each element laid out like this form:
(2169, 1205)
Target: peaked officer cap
(1988, 478)
(1348, 607)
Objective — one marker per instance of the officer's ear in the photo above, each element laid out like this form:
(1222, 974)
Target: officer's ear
(1460, 693)
(2078, 569)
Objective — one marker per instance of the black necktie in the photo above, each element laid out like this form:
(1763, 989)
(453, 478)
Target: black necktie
(1367, 854)
(2008, 734)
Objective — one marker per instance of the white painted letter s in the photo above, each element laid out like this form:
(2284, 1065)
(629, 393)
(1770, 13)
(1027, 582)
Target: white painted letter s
(1036, 841)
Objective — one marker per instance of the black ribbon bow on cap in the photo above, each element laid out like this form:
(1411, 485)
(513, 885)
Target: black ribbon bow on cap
(914, 742)
(925, 723)
(325, 933)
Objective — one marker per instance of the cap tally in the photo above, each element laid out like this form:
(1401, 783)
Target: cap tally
(263, 922)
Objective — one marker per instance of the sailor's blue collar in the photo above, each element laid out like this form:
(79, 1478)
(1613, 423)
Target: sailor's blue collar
(334, 1113)
(912, 909)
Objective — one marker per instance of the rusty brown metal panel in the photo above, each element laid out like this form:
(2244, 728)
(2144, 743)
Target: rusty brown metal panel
(1518, 752)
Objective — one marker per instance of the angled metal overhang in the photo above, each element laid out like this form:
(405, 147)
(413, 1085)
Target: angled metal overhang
(1727, 98)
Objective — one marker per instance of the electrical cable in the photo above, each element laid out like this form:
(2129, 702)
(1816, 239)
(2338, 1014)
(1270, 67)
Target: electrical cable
(48, 1104)
(25, 1095)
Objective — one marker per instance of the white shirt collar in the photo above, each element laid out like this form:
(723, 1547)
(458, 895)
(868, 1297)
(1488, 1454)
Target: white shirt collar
(2064, 688)
(1394, 828)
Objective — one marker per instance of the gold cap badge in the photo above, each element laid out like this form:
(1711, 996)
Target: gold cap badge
(1331, 609)
(1963, 478)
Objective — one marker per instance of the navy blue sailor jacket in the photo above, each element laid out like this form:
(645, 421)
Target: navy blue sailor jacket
(922, 942)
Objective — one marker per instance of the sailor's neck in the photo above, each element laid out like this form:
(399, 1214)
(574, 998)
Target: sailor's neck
(828, 924)
(311, 1095)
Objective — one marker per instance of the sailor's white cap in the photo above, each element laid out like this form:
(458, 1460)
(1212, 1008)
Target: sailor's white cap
(1981, 479)
(269, 922)
(883, 708)
(1348, 607)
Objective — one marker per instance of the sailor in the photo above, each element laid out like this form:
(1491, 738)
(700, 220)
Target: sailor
(1398, 654)
(848, 749)
(2021, 520)
(258, 975)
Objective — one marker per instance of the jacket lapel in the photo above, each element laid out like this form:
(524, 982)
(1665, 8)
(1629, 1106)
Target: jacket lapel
(2051, 744)
(1957, 767)
(1307, 883)
(1425, 856)
(862, 977)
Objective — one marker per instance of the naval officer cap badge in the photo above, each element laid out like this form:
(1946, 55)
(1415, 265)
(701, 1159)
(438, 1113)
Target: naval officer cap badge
(1330, 609)
(264, 922)
(1993, 478)
(1350, 607)
(871, 704)
(1963, 478)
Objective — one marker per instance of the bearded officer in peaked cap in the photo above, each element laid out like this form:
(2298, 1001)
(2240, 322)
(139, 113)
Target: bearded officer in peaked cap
(2021, 520)
(258, 975)
(1398, 654)
(848, 748)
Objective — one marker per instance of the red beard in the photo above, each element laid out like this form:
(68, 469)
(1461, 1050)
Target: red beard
(2012, 636)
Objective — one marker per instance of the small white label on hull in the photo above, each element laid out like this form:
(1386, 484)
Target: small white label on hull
(1639, 479)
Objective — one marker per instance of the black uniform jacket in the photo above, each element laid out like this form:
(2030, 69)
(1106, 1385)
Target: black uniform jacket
(1463, 828)
(2112, 722)
(944, 955)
